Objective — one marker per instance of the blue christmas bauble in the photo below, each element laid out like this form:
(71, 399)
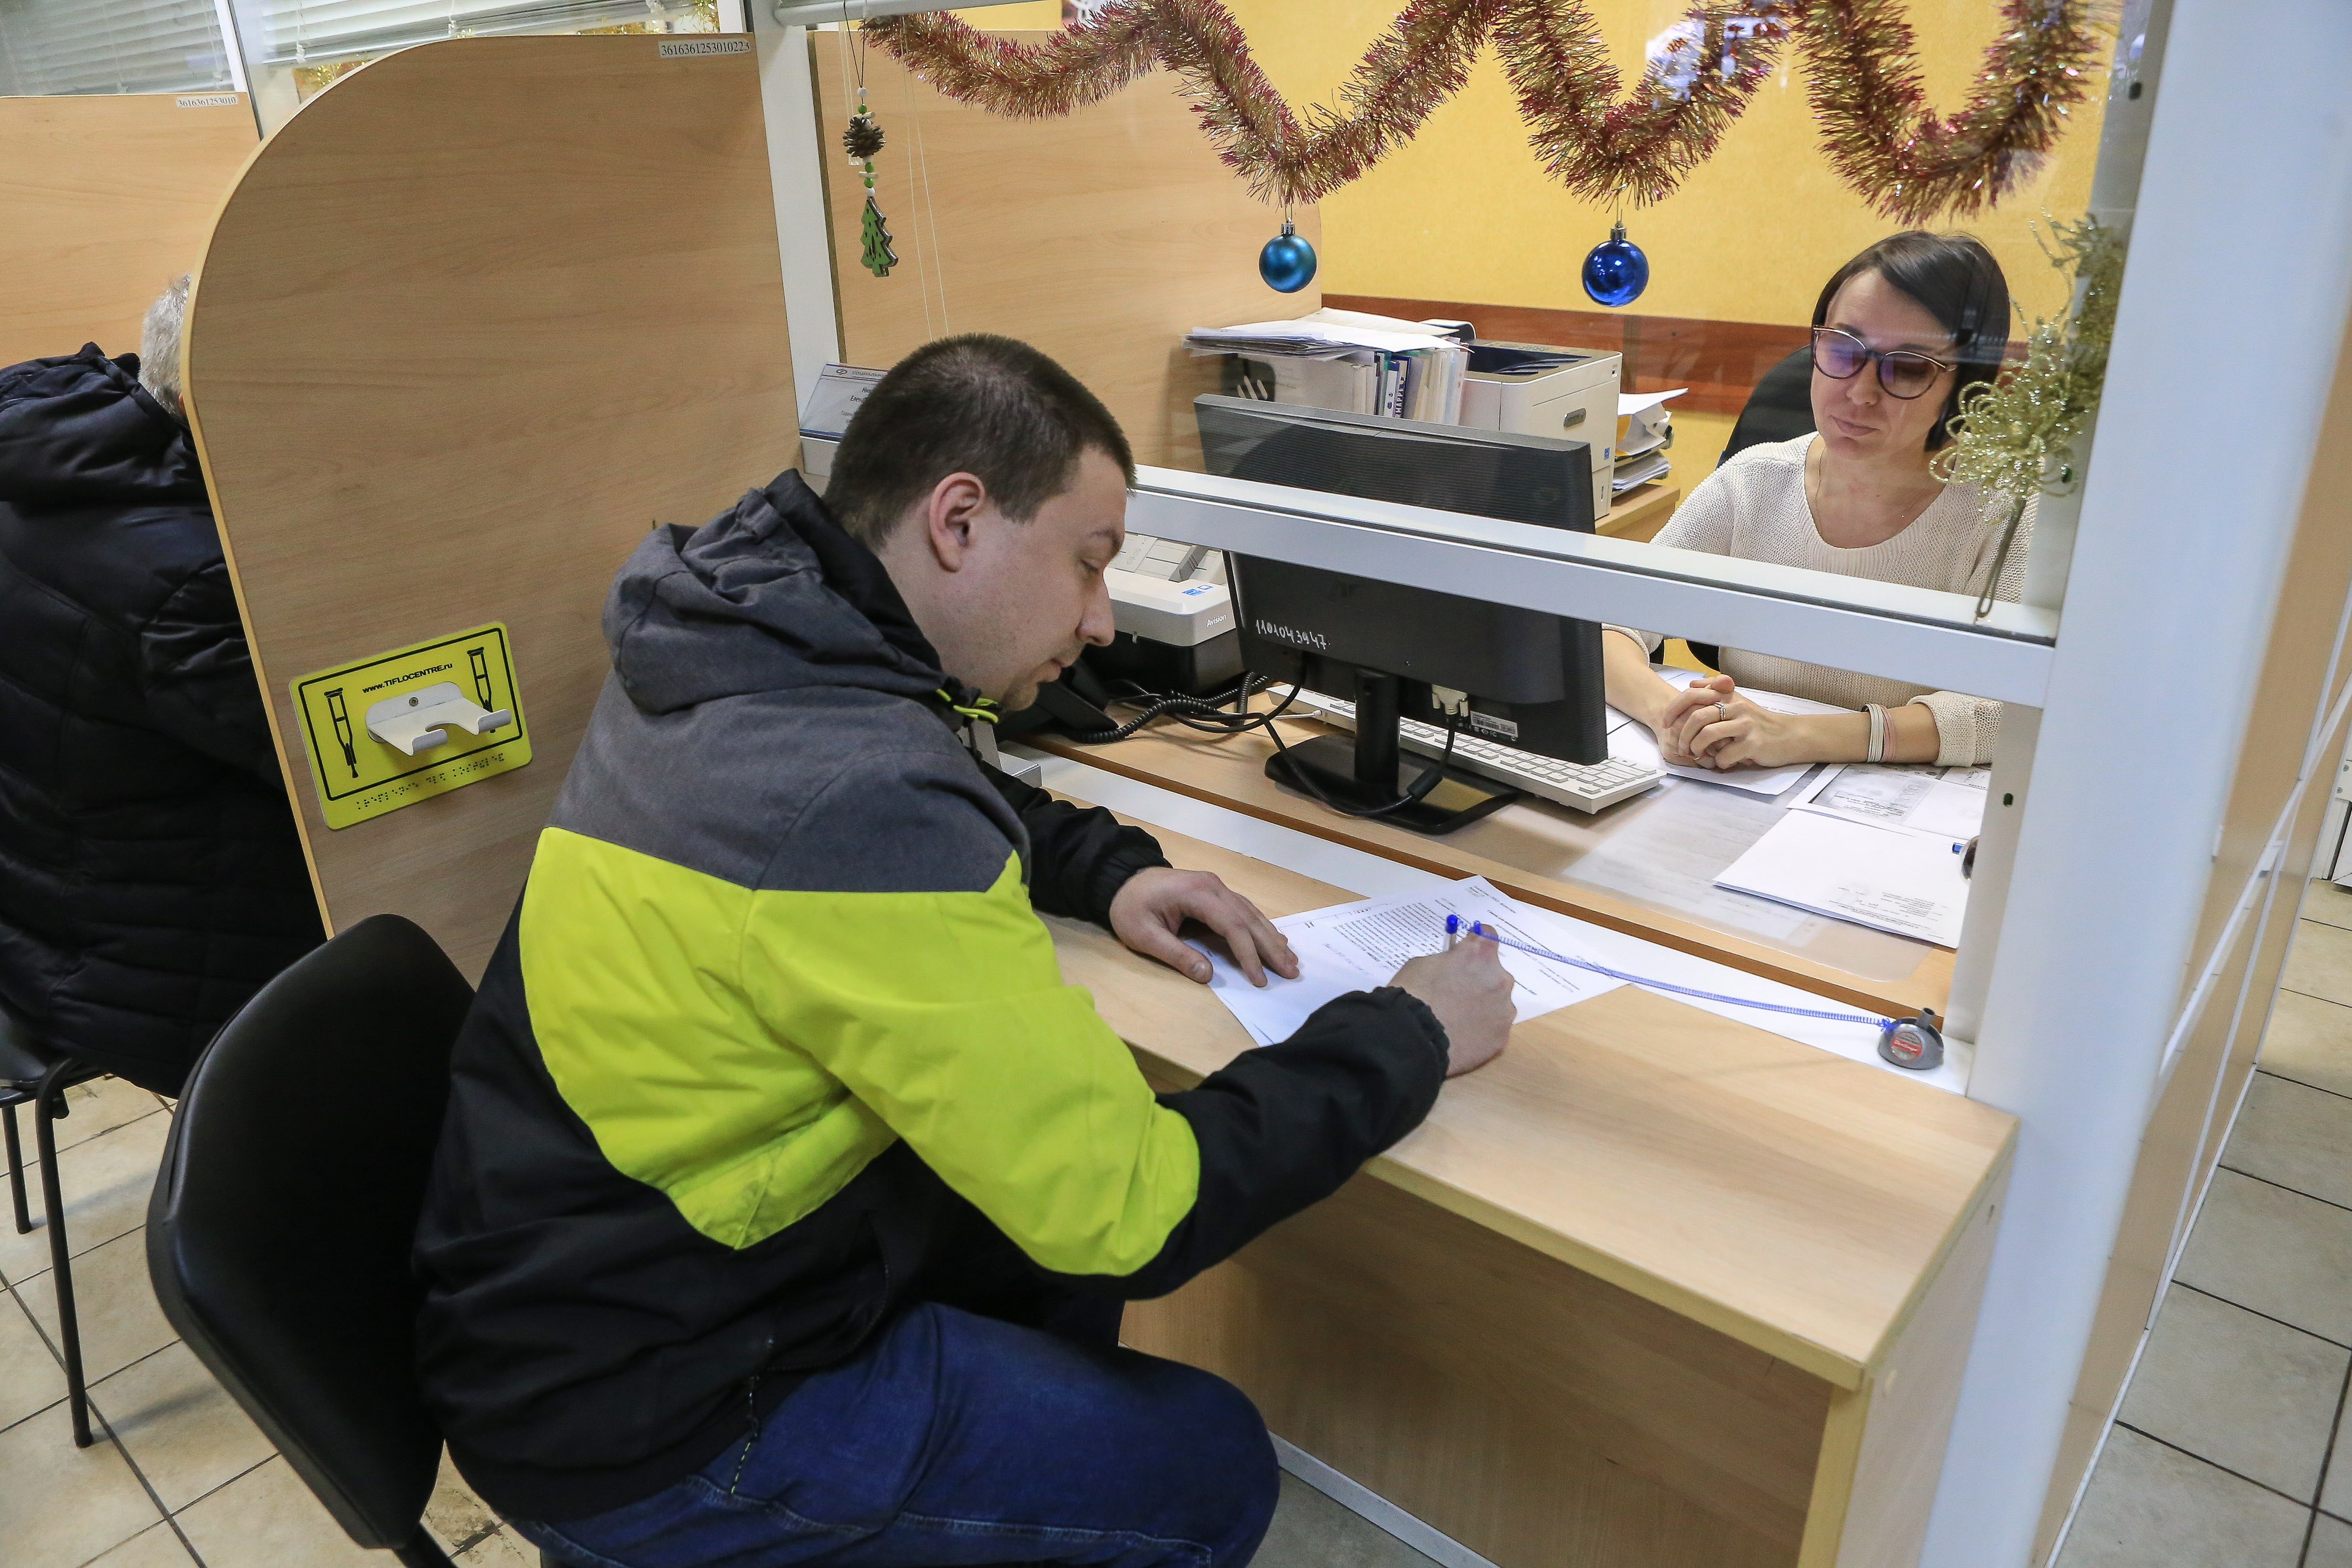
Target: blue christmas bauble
(1287, 262)
(1615, 272)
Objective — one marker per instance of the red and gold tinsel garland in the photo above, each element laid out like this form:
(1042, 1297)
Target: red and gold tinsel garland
(1887, 143)
(1880, 135)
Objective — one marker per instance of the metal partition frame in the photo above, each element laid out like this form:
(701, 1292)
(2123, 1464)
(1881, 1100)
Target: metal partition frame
(2176, 569)
(1855, 623)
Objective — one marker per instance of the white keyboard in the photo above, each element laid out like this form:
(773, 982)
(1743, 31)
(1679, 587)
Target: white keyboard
(1587, 786)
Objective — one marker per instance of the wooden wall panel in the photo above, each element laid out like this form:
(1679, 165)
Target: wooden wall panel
(1102, 239)
(474, 319)
(104, 200)
(1537, 1414)
(2183, 1142)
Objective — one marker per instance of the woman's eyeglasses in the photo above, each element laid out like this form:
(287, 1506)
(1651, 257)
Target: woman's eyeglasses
(1903, 374)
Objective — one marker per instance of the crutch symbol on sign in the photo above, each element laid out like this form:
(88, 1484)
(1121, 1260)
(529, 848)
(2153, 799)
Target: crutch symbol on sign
(342, 718)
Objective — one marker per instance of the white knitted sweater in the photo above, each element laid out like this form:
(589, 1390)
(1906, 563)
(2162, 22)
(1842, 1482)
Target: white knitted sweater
(1754, 507)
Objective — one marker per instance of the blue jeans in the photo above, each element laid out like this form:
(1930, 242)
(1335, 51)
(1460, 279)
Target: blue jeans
(951, 1440)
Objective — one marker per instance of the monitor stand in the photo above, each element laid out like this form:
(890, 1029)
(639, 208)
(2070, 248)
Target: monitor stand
(1371, 771)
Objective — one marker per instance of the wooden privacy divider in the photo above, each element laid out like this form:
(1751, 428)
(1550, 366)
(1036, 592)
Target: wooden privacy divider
(1653, 1286)
(1102, 237)
(472, 321)
(104, 199)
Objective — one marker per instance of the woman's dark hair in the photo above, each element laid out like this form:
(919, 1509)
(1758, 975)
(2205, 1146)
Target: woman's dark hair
(1954, 279)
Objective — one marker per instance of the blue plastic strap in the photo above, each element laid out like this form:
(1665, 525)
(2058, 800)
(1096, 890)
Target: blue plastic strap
(1478, 928)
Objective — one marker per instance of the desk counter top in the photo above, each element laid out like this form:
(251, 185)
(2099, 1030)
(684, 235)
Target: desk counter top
(1644, 865)
(1790, 1199)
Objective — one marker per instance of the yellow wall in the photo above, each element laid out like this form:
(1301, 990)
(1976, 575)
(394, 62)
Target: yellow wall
(1463, 212)
(1698, 441)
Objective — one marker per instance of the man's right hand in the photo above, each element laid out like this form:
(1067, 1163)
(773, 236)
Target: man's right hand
(1470, 992)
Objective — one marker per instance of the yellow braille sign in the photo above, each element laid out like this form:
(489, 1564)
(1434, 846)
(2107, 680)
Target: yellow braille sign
(403, 726)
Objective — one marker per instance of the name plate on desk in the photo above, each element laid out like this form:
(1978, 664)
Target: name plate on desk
(396, 728)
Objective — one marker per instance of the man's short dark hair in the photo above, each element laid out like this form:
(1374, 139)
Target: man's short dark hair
(979, 405)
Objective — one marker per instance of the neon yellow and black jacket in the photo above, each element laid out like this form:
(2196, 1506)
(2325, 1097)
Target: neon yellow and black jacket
(775, 1044)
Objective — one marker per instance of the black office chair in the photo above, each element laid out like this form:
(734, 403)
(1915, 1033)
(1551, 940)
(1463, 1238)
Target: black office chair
(34, 1072)
(279, 1234)
(1780, 408)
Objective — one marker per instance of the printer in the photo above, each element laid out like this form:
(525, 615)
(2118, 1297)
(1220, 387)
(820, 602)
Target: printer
(1532, 389)
(1172, 618)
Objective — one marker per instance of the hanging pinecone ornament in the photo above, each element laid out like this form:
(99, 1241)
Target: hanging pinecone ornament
(862, 141)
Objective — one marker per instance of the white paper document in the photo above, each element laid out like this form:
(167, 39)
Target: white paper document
(1638, 470)
(1632, 742)
(1938, 802)
(1309, 336)
(1632, 402)
(1889, 879)
(1359, 946)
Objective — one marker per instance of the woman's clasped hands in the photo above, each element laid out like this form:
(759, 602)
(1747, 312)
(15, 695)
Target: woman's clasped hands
(1710, 724)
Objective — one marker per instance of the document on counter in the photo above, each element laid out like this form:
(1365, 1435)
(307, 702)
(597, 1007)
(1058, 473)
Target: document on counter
(1360, 946)
(1888, 878)
(1940, 802)
(1632, 742)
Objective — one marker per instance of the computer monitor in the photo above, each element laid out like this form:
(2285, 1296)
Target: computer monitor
(1533, 680)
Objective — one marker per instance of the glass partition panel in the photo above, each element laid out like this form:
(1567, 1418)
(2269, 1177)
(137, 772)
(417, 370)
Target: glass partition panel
(1463, 221)
(1889, 386)
(295, 49)
(76, 47)
(1814, 291)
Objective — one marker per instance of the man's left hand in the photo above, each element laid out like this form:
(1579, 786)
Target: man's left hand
(1153, 906)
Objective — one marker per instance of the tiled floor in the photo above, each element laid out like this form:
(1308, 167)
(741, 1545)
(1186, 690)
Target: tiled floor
(178, 1475)
(2224, 1456)
(2226, 1453)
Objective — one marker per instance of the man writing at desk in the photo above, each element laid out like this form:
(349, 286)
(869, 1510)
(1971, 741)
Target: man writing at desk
(787, 1198)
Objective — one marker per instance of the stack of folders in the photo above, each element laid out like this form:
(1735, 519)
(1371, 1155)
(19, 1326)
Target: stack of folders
(1354, 362)
(1645, 431)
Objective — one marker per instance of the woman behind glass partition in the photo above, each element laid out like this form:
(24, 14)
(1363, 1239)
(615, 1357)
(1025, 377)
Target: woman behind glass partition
(1899, 334)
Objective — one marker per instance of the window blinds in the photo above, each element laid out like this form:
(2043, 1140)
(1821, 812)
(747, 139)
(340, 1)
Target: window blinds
(65, 46)
(321, 32)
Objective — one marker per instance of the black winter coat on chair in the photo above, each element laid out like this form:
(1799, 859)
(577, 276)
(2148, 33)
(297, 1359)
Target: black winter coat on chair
(150, 875)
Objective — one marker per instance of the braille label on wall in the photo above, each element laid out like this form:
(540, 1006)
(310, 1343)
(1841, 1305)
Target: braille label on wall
(208, 100)
(679, 48)
(405, 726)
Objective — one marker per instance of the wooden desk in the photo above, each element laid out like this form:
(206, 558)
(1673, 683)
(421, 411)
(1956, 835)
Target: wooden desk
(1640, 512)
(1531, 851)
(1653, 1287)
